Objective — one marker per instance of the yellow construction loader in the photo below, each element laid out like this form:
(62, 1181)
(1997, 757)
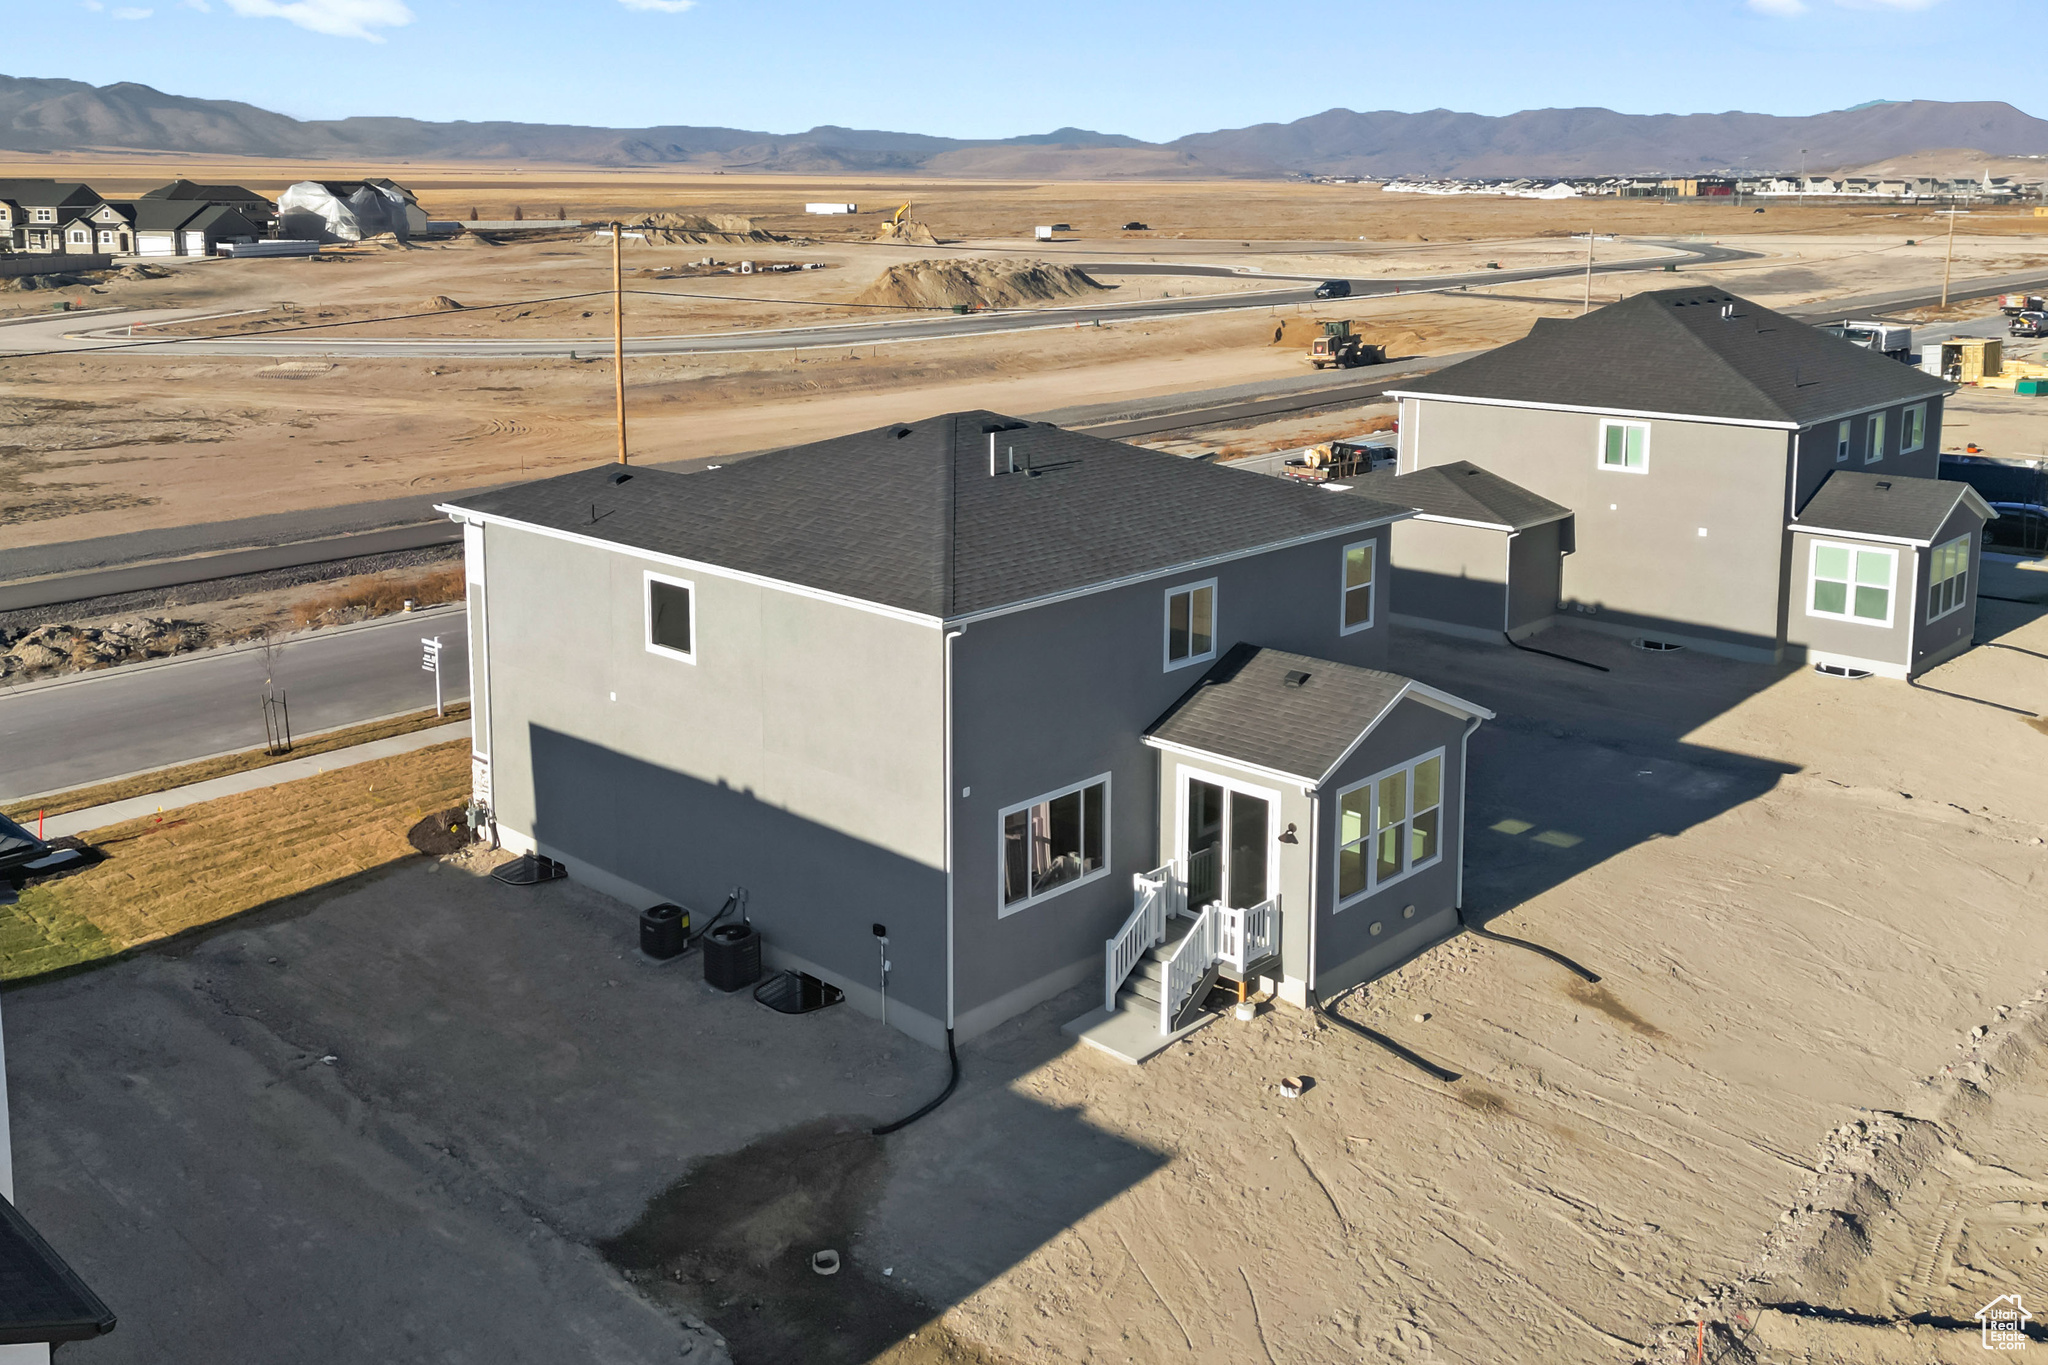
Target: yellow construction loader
(1340, 346)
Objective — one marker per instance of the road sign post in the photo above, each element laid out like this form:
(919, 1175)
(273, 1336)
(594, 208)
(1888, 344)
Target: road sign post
(430, 660)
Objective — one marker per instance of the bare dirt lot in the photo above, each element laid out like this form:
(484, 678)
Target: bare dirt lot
(94, 445)
(1805, 897)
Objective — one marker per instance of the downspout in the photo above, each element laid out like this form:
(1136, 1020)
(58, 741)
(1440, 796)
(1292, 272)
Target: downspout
(1507, 591)
(1315, 874)
(1464, 779)
(951, 636)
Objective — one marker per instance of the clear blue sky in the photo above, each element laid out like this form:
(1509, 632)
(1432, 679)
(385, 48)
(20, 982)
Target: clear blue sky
(1145, 67)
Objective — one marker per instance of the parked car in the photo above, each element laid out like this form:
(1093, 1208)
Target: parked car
(2020, 525)
(1334, 289)
(1135, 226)
(2029, 324)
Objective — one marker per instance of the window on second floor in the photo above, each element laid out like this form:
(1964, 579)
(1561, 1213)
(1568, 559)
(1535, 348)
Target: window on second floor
(1948, 578)
(1913, 429)
(672, 617)
(1625, 446)
(46, 215)
(1875, 450)
(1190, 624)
(1842, 434)
(1358, 565)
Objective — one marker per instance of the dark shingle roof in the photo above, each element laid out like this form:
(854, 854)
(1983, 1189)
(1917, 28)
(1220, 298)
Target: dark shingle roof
(1462, 491)
(160, 215)
(41, 1298)
(187, 191)
(1673, 351)
(1245, 709)
(908, 516)
(1894, 507)
(48, 193)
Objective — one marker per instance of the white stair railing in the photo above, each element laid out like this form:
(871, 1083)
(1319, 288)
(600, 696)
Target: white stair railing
(1190, 962)
(1154, 896)
(1245, 936)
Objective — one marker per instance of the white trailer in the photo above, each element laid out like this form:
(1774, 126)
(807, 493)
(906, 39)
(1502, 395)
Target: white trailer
(831, 208)
(1043, 234)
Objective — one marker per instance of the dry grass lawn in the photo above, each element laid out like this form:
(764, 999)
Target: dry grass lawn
(185, 774)
(167, 874)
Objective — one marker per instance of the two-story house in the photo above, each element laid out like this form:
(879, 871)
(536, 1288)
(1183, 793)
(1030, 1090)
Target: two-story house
(1688, 431)
(1019, 697)
(46, 215)
(261, 213)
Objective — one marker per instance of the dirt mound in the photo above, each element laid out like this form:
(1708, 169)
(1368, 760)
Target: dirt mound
(909, 231)
(439, 303)
(66, 649)
(690, 229)
(141, 272)
(30, 283)
(977, 282)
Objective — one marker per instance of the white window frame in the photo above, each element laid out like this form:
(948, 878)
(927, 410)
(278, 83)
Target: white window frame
(1913, 425)
(1600, 450)
(1935, 580)
(648, 579)
(1166, 623)
(1845, 437)
(1372, 587)
(1004, 910)
(1873, 449)
(80, 237)
(1373, 884)
(45, 215)
(1891, 601)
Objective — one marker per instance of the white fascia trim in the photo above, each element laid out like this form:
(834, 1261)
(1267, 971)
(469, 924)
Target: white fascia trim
(1605, 412)
(1460, 521)
(1858, 535)
(1306, 784)
(694, 565)
(1175, 571)
(1417, 691)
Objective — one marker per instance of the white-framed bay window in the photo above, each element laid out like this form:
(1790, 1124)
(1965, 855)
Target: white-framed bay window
(1948, 577)
(1389, 826)
(1052, 843)
(1851, 582)
(1625, 446)
(1190, 624)
(1358, 575)
(671, 612)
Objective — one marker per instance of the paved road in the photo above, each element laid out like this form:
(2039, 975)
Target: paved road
(130, 719)
(112, 332)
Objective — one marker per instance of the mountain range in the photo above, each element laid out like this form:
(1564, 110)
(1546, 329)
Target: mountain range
(42, 115)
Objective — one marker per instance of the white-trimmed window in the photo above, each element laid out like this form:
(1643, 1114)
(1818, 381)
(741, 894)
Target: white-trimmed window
(1913, 429)
(1948, 578)
(671, 617)
(1052, 844)
(1851, 583)
(1874, 452)
(1358, 566)
(1190, 624)
(1389, 826)
(46, 215)
(1842, 439)
(1625, 446)
(80, 237)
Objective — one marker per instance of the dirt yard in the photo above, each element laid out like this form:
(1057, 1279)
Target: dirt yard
(1809, 1077)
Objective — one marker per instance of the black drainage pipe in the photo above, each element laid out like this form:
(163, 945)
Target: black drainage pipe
(1374, 1036)
(1531, 649)
(1559, 958)
(952, 1059)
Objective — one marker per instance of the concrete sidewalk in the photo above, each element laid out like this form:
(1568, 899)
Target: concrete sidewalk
(114, 812)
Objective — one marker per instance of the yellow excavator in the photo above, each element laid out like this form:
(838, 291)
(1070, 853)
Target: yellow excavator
(896, 220)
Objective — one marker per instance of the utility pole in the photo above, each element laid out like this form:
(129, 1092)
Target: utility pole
(619, 334)
(1587, 307)
(1949, 263)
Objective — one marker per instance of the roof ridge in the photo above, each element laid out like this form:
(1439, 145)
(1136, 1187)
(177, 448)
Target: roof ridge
(1671, 321)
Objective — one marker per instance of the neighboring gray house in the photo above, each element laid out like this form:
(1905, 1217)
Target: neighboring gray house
(251, 205)
(47, 215)
(977, 680)
(1685, 429)
(1481, 557)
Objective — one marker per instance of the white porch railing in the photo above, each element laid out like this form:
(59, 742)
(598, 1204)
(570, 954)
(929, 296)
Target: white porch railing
(1155, 896)
(1247, 935)
(1190, 962)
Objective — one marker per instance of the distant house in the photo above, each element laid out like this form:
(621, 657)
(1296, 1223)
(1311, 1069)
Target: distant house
(348, 211)
(1043, 706)
(46, 215)
(1696, 438)
(251, 205)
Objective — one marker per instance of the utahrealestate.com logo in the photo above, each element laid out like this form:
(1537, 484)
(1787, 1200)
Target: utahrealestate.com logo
(2004, 1321)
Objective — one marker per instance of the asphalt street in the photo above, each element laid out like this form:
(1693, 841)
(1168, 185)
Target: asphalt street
(114, 332)
(133, 718)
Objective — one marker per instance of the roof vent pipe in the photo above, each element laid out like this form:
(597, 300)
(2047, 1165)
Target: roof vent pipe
(1727, 311)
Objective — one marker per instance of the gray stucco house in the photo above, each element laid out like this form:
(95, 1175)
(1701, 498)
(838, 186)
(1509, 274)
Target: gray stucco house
(1021, 695)
(1689, 432)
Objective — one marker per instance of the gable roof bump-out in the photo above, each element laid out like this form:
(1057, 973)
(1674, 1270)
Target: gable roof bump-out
(1462, 492)
(1907, 510)
(906, 518)
(1699, 353)
(1289, 716)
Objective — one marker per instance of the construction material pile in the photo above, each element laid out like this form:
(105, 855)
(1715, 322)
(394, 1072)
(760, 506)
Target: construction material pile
(977, 282)
(910, 232)
(689, 229)
(66, 649)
